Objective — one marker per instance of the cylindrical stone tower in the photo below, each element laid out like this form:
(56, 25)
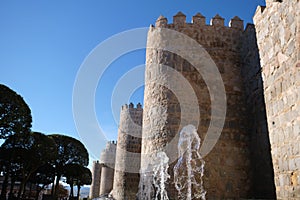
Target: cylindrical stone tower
(96, 177)
(175, 65)
(107, 159)
(128, 156)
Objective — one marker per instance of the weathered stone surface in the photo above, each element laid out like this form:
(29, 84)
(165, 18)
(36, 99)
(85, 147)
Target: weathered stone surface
(230, 158)
(96, 177)
(263, 104)
(126, 178)
(107, 158)
(261, 163)
(278, 41)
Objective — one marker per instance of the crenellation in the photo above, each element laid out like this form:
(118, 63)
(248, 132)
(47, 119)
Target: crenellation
(179, 20)
(131, 106)
(139, 106)
(236, 23)
(257, 154)
(199, 20)
(124, 107)
(161, 22)
(217, 21)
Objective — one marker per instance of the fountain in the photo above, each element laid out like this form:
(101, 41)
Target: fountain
(160, 176)
(153, 180)
(188, 171)
(145, 186)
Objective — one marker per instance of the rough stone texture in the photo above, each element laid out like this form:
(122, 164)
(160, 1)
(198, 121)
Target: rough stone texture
(128, 153)
(96, 176)
(261, 163)
(227, 168)
(278, 28)
(263, 105)
(107, 178)
(108, 156)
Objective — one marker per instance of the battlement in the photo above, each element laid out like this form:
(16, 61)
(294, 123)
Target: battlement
(131, 106)
(179, 21)
(110, 146)
(108, 154)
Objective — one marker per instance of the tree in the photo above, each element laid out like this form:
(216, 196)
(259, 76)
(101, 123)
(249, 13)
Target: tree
(15, 115)
(10, 166)
(71, 172)
(85, 178)
(27, 152)
(69, 151)
(77, 175)
(42, 177)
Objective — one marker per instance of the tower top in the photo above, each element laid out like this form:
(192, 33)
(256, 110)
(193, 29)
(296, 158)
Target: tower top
(131, 106)
(198, 20)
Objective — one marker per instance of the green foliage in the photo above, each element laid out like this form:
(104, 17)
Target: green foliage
(15, 115)
(34, 149)
(43, 176)
(32, 156)
(70, 151)
(78, 175)
(85, 178)
(25, 153)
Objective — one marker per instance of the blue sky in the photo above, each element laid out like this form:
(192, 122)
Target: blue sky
(43, 44)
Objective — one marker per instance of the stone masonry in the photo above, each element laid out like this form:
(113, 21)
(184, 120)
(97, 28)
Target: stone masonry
(128, 153)
(261, 163)
(257, 155)
(96, 177)
(278, 38)
(103, 171)
(108, 156)
(230, 157)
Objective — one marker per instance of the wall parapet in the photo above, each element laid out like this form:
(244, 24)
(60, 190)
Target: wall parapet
(179, 21)
(131, 106)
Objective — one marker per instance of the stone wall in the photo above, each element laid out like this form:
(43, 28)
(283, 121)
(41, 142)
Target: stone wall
(261, 163)
(128, 153)
(227, 168)
(107, 178)
(107, 158)
(278, 37)
(96, 176)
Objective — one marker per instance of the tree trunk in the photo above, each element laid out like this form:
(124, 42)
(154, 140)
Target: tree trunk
(78, 191)
(4, 187)
(37, 192)
(12, 185)
(30, 190)
(72, 188)
(56, 190)
(22, 186)
(53, 186)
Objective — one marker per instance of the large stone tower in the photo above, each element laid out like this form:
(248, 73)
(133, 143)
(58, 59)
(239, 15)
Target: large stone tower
(128, 154)
(168, 108)
(107, 159)
(96, 177)
(278, 37)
